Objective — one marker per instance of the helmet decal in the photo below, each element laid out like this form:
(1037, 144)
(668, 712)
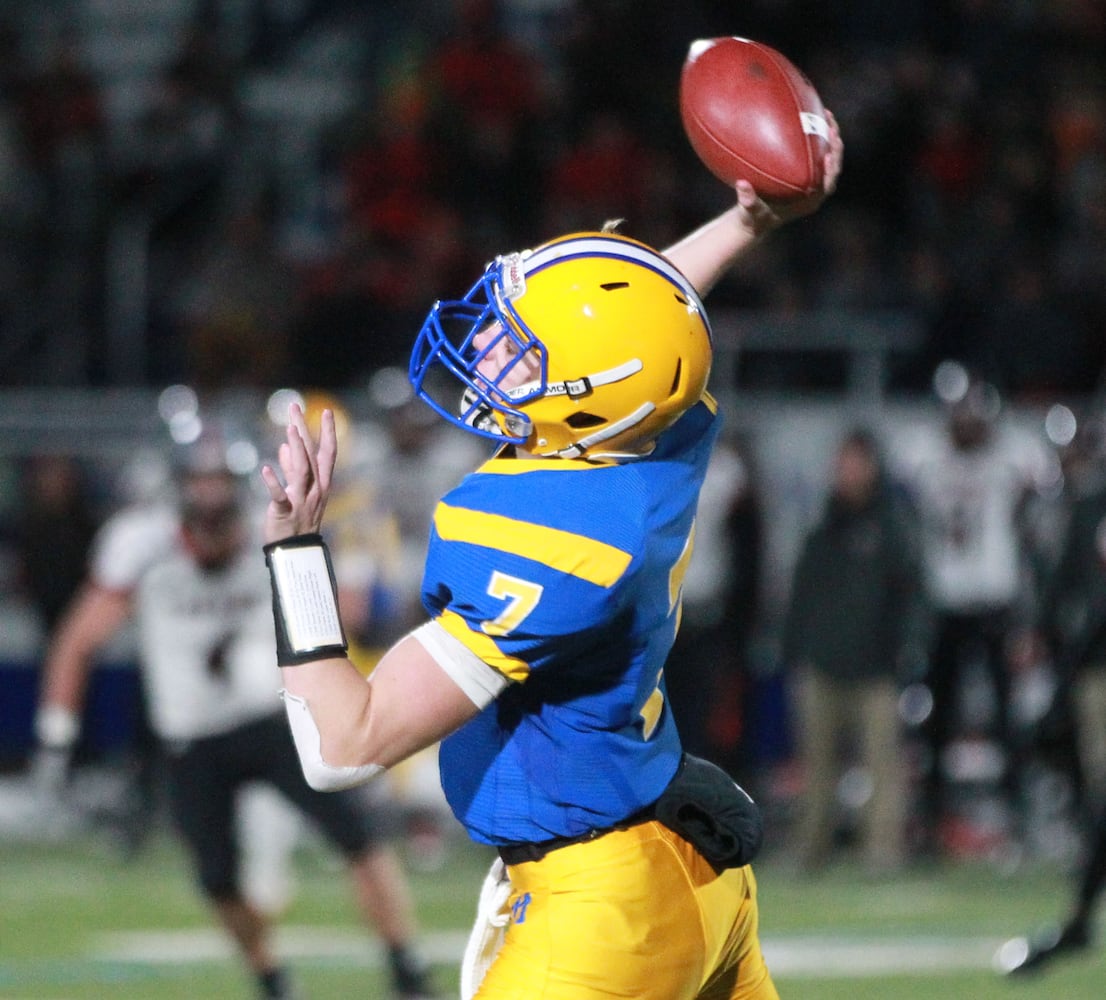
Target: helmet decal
(512, 278)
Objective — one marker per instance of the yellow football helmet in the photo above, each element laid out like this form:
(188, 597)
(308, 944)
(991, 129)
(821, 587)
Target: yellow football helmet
(621, 338)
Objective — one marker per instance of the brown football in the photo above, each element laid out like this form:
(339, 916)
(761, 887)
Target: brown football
(750, 114)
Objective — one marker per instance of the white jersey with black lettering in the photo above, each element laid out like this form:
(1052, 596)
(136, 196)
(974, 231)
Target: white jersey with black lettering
(207, 648)
(969, 503)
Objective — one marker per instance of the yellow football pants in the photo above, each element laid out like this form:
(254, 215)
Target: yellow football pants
(637, 914)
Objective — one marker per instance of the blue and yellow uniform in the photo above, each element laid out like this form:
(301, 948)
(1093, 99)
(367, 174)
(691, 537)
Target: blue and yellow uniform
(565, 576)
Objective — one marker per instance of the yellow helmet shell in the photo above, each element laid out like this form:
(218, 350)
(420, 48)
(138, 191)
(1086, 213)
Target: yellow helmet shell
(627, 343)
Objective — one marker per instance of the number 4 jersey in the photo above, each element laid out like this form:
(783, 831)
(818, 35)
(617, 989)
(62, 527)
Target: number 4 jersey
(565, 576)
(205, 639)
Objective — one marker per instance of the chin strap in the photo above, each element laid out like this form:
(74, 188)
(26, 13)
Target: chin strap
(613, 430)
(481, 416)
(575, 388)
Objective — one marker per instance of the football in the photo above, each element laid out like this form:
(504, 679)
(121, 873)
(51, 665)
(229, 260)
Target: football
(751, 114)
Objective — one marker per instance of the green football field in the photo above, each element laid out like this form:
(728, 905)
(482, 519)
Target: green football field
(77, 921)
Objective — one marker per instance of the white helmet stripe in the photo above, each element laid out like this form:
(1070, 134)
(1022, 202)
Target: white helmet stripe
(602, 246)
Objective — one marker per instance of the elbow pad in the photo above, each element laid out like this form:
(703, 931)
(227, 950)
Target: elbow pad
(320, 775)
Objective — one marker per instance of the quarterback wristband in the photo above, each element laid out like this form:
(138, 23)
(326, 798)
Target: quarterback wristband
(305, 600)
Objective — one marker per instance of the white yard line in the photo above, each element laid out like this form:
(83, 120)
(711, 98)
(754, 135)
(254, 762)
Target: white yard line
(340, 944)
(801, 957)
(822, 957)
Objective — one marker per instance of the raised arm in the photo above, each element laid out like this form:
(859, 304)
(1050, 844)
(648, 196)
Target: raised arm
(705, 254)
(346, 729)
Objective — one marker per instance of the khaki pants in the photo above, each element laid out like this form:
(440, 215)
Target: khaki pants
(1090, 712)
(865, 712)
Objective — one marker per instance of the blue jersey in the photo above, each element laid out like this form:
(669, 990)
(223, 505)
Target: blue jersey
(565, 575)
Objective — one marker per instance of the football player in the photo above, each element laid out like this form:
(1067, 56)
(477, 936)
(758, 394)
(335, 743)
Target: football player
(189, 576)
(552, 584)
(971, 480)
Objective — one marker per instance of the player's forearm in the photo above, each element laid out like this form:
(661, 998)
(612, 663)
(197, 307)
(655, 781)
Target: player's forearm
(64, 682)
(89, 623)
(330, 711)
(65, 677)
(57, 721)
(347, 728)
(340, 701)
(705, 254)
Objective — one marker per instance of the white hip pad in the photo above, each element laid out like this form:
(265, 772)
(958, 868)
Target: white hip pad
(493, 913)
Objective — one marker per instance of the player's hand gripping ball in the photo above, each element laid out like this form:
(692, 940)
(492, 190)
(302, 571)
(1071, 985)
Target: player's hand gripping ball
(750, 114)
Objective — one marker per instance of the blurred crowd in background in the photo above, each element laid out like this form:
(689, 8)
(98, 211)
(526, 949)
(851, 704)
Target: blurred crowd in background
(239, 195)
(229, 191)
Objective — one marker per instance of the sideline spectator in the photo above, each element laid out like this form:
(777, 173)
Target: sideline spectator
(852, 635)
(54, 533)
(1074, 629)
(238, 308)
(61, 108)
(490, 105)
(916, 83)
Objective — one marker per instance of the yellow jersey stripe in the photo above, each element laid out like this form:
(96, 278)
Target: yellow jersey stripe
(577, 555)
(484, 647)
(517, 466)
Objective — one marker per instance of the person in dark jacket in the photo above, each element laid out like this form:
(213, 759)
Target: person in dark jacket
(851, 631)
(1074, 631)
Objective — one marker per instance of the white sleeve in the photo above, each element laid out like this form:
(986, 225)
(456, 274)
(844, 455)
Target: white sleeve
(128, 543)
(320, 775)
(479, 681)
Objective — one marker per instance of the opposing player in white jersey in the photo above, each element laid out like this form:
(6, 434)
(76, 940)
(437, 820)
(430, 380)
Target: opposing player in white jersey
(191, 578)
(971, 481)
